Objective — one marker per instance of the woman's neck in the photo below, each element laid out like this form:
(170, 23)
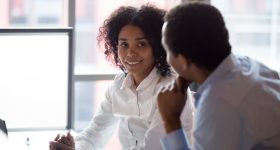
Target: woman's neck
(138, 78)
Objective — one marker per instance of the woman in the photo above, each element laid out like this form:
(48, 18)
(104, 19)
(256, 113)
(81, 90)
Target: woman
(133, 42)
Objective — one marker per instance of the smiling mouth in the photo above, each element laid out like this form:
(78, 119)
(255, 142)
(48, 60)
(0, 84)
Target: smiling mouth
(133, 62)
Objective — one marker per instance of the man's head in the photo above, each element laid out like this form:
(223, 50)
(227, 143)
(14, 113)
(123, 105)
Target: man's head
(197, 32)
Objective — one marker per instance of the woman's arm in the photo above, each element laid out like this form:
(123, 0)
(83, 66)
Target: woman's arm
(101, 127)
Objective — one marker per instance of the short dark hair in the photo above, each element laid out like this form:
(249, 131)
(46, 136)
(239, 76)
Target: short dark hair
(149, 19)
(198, 32)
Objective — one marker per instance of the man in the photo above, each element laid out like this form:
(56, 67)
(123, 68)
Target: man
(237, 103)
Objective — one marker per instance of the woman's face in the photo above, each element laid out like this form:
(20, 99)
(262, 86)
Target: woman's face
(135, 52)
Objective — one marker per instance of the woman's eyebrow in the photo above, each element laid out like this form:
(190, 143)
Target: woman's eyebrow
(139, 38)
(122, 39)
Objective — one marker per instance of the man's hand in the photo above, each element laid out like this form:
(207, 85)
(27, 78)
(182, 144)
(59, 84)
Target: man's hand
(171, 102)
(63, 142)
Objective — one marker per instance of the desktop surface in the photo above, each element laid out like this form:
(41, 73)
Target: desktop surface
(33, 140)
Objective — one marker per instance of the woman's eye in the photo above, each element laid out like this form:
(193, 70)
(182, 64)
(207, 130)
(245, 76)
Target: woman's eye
(142, 44)
(123, 45)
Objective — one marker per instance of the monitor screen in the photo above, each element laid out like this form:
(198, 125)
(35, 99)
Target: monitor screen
(35, 78)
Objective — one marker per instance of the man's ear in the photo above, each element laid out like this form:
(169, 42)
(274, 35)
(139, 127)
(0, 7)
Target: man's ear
(183, 61)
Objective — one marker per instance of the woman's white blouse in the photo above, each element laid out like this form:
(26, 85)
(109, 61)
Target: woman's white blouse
(134, 111)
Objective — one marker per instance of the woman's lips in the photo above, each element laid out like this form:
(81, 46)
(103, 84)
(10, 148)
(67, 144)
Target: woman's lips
(133, 62)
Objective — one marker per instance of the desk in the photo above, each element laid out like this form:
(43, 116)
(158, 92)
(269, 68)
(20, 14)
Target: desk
(33, 140)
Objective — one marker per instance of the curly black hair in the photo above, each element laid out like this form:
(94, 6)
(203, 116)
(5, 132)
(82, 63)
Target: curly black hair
(198, 31)
(149, 19)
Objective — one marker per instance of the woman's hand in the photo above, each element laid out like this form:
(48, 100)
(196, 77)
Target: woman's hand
(63, 142)
(171, 101)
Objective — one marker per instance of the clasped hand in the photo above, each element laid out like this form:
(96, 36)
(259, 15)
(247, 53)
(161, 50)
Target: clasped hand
(171, 101)
(64, 142)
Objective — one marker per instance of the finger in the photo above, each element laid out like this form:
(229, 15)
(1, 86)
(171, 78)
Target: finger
(70, 138)
(64, 140)
(72, 142)
(68, 134)
(57, 145)
(57, 137)
(160, 93)
(51, 148)
(162, 89)
(172, 85)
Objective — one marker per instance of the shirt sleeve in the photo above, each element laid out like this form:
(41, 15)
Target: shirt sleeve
(100, 129)
(155, 131)
(187, 116)
(176, 140)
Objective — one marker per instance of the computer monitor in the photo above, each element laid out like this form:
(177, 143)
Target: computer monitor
(36, 78)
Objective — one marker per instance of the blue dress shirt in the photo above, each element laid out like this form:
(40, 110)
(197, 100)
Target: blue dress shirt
(239, 109)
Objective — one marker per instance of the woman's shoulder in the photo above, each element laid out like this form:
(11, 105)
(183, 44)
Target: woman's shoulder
(119, 76)
(168, 78)
(118, 80)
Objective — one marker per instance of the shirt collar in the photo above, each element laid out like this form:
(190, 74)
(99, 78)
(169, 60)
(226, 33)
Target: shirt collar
(227, 64)
(151, 78)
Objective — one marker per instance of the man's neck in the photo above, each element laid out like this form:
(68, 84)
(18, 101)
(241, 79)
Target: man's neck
(200, 75)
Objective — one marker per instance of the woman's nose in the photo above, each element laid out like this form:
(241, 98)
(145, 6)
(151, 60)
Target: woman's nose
(131, 52)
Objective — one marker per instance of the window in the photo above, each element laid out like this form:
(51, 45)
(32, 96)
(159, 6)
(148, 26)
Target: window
(33, 13)
(28, 108)
(254, 28)
(35, 78)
